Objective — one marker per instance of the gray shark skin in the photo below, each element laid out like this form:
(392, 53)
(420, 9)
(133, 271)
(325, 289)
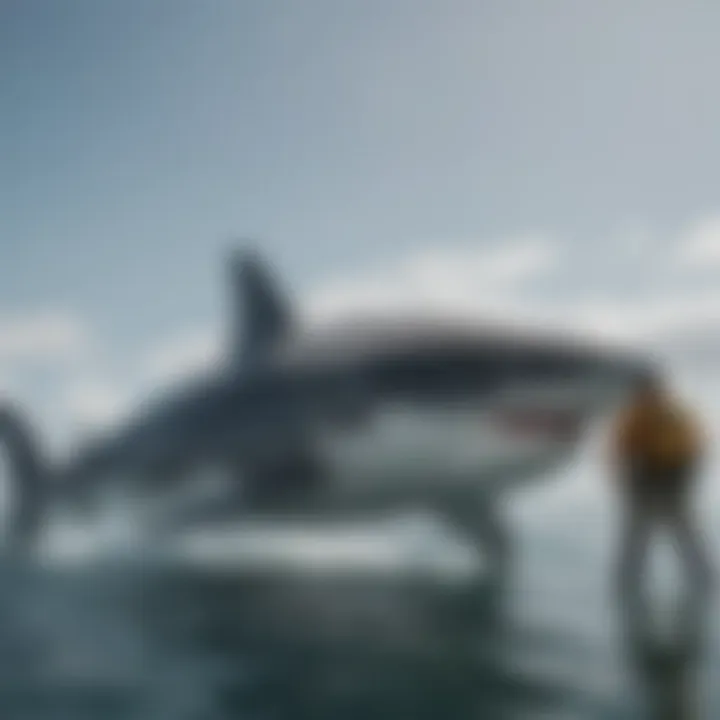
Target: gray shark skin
(364, 415)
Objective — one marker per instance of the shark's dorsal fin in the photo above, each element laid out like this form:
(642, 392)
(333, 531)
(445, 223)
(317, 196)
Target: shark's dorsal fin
(261, 316)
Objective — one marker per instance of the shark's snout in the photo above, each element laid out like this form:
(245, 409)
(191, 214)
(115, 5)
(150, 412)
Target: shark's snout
(616, 376)
(628, 373)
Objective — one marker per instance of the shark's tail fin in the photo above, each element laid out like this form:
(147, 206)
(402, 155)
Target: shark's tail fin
(261, 315)
(27, 482)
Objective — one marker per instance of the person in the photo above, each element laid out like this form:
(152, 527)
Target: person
(658, 449)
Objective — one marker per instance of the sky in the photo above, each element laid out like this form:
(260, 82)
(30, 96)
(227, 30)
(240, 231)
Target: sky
(555, 160)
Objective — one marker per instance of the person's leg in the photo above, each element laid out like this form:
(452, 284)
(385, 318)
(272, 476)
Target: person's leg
(688, 537)
(633, 544)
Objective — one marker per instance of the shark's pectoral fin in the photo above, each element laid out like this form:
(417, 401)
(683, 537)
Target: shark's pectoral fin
(287, 483)
(480, 520)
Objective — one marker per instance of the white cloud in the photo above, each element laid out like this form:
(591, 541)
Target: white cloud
(182, 355)
(501, 265)
(42, 335)
(700, 247)
(486, 284)
(453, 280)
(649, 317)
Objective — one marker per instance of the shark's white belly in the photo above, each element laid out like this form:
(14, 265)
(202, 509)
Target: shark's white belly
(429, 455)
(411, 451)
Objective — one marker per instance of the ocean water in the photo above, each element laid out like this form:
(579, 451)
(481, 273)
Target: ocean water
(361, 631)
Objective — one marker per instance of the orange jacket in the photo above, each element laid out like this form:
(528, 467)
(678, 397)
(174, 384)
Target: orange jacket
(659, 434)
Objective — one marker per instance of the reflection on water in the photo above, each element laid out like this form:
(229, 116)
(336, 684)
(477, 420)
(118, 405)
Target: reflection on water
(666, 656)
(178, 645)
(151, 643)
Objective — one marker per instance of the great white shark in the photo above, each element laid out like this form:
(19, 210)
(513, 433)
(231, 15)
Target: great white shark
(359, 416)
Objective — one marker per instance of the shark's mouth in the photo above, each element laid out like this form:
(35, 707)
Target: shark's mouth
(541, 423)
